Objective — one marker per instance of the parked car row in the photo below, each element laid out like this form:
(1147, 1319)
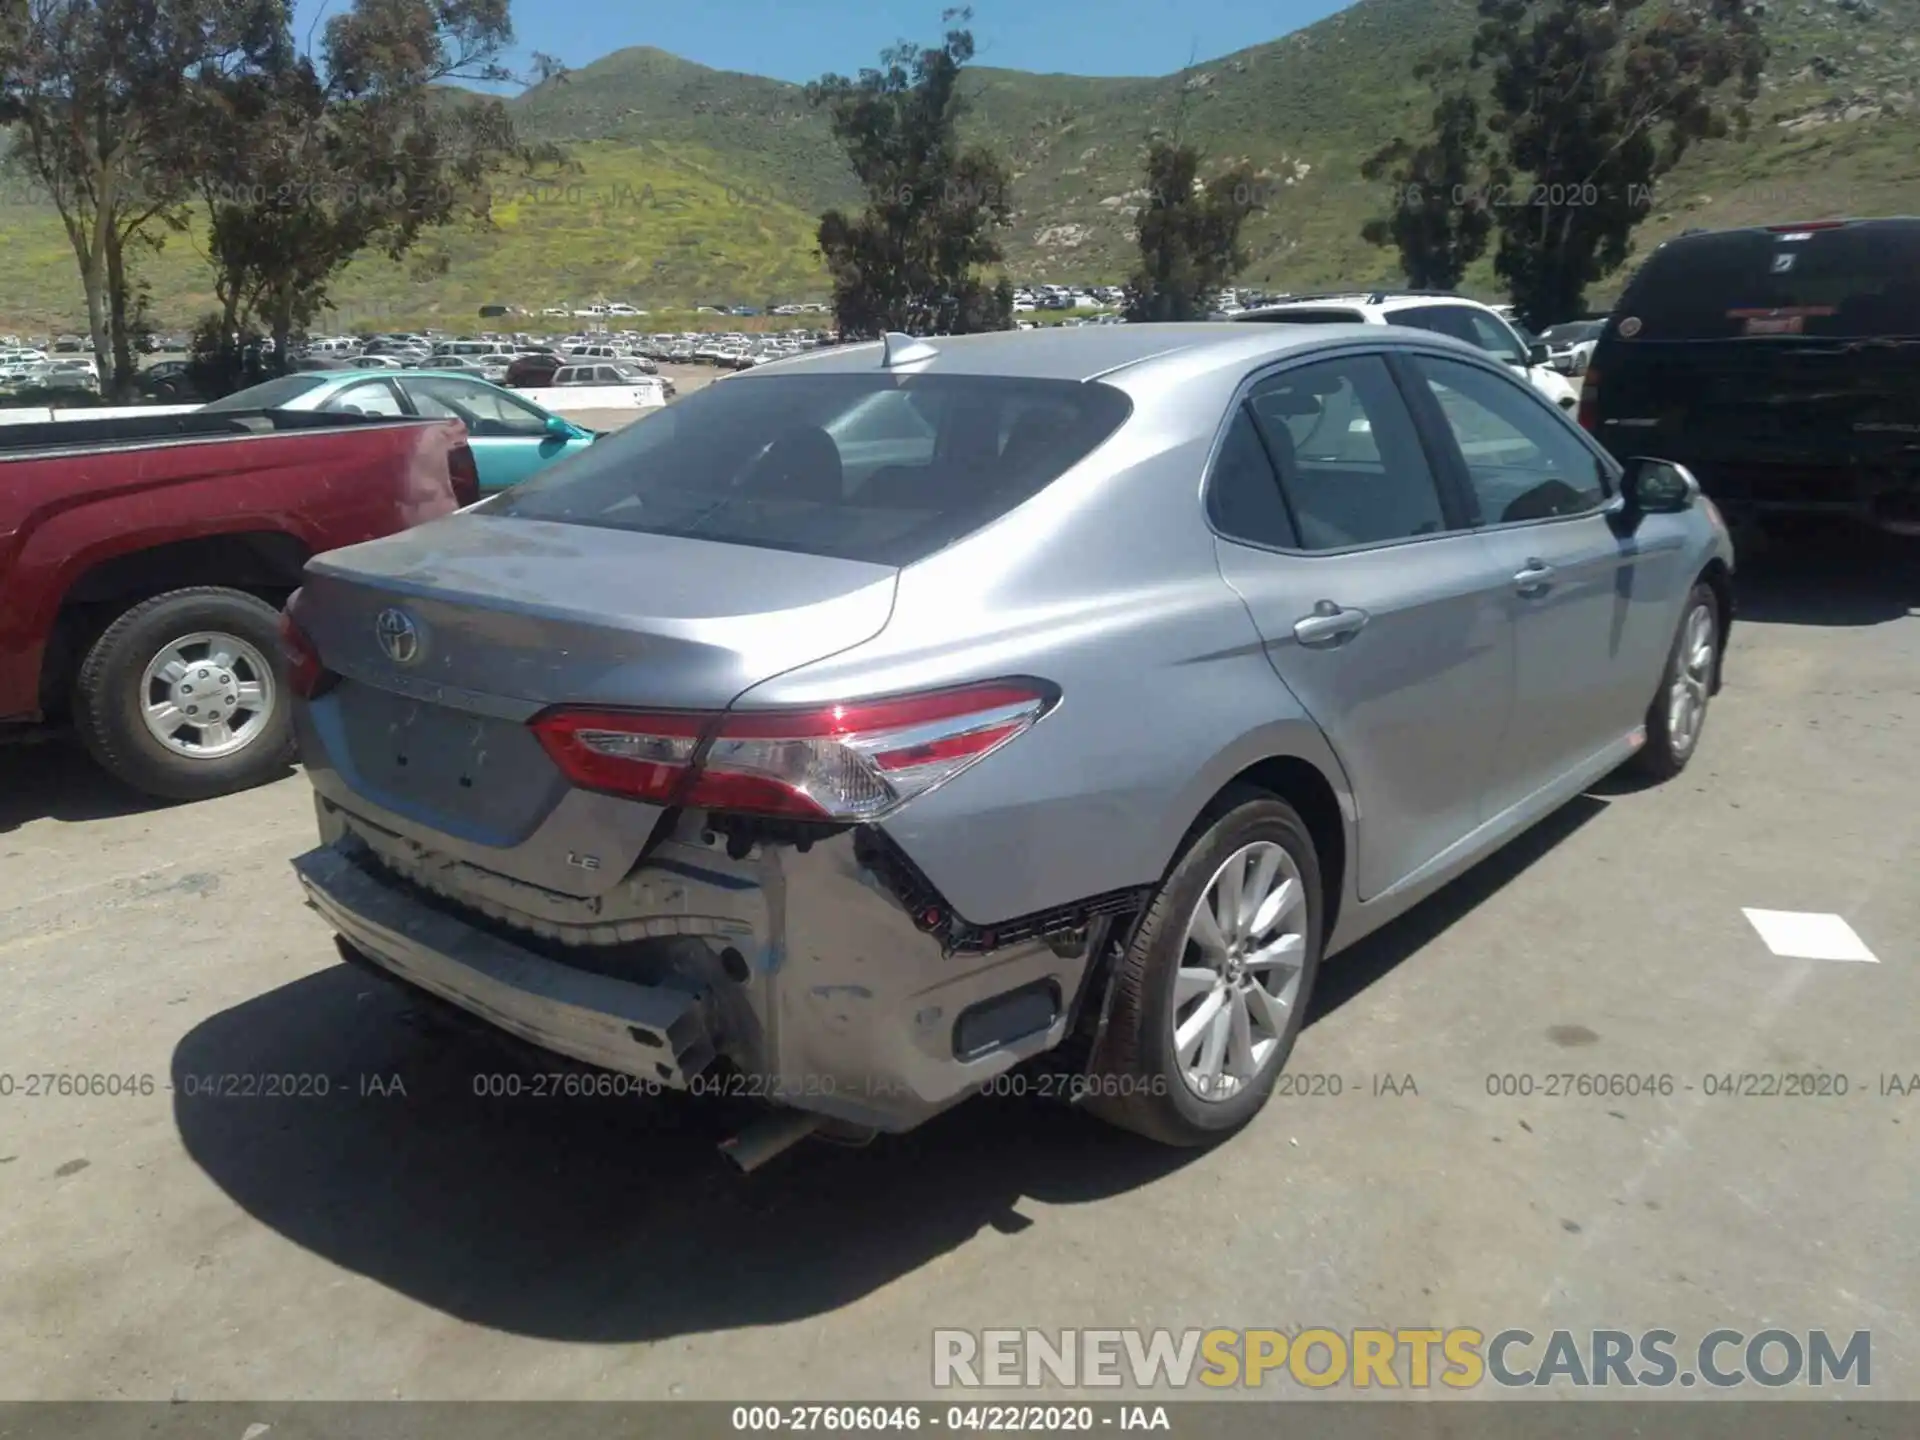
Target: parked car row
(521, 361)
(736, 351)
(24, 369)
(1028, 298)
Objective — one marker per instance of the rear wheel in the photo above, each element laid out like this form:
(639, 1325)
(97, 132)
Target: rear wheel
(1210, 995)
(1679, 711)
(180, 697)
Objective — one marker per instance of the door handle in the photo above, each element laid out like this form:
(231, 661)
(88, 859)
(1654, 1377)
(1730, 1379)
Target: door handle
(1534, 578)
(1328, 625)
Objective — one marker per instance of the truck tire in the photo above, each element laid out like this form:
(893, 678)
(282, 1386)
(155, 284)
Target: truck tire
(158, 711)
(1183, 966)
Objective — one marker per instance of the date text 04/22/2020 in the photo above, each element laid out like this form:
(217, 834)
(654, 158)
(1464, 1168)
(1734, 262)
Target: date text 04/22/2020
(960, 1419)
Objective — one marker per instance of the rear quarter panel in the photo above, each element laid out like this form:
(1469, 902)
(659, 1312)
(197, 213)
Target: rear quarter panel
(63, 514)
(1107, 585)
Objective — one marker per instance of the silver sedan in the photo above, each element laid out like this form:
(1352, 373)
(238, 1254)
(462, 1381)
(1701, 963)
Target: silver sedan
(909, 711)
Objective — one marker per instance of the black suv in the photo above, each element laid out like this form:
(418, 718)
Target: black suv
(1781, 364)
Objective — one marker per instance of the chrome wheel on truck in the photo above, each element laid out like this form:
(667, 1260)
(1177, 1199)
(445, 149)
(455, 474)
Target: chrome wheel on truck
(177, 697)
(206, 695)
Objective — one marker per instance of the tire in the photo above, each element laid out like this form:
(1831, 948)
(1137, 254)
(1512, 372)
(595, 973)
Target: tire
(1668, 750)
(113, 689)
(1138, 1081)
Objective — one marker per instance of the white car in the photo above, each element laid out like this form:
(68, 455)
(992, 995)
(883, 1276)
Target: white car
(67, 370)
(1570, 344)
(1444, 314)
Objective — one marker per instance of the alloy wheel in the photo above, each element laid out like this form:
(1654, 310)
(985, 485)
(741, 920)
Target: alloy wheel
(1692, 681)
(1240, 971)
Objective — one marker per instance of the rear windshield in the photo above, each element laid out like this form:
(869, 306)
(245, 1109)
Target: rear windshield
(1847, 283)
(269, 394)
(872, 467)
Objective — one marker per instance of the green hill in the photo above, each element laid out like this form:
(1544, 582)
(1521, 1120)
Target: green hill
(699, 185)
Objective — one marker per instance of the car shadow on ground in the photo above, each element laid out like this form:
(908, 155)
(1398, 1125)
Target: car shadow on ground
(55, 779)
(1831, 575)
(1349, 973)
(616, 1220)
(597, 1220)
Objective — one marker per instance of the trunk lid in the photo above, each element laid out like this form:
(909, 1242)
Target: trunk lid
(448, 638)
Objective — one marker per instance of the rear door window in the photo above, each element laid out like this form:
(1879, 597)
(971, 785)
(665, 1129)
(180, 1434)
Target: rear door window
(874, 467)
(1350, 460)
(1845, 283)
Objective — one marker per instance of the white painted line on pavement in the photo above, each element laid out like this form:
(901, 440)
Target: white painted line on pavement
(1804, 935)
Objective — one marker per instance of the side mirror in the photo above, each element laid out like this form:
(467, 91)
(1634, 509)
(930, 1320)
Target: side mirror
(1536, 353)
(560, 429)
(1651, 486)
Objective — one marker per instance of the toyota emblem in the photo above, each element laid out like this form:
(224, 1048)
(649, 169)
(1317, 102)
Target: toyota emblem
(399, 637)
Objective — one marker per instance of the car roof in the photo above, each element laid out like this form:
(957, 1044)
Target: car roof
(1338, 297)
(1087, 352)
(340, 378)
(1376, 299)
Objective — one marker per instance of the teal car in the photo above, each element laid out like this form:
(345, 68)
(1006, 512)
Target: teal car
(511, 437)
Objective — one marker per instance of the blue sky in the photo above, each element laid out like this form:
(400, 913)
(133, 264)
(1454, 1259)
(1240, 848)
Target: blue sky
(802, 39)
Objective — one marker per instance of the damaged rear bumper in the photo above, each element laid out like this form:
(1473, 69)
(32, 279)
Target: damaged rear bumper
(640, 1029)
(794, 975)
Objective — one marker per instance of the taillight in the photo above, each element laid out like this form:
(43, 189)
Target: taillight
(305, 674)
(464, 473)
(1590, 400)
(646, 757)
(853, 762)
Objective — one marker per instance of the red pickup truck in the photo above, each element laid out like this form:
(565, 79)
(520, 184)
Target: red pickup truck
(144, 559)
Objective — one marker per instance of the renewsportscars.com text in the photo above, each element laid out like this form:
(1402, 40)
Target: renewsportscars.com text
(1460, 1358)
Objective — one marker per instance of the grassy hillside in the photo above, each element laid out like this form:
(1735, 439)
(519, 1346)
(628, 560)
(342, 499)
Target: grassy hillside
(1834, 133)
(700, 185)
